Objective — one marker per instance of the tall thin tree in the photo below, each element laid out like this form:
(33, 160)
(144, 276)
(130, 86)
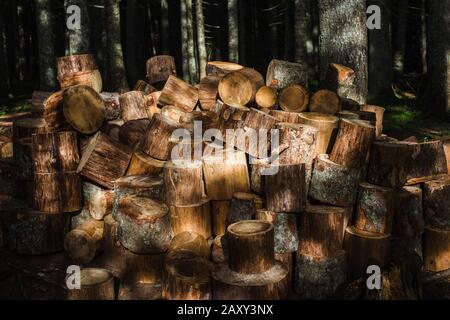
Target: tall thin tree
(77, 36)
(193, 68)
(4, 79)
(184, 40)
(302, 30)
(165, 31)
(201, 43)
(233, 31)
(399, 35)
(343, 40)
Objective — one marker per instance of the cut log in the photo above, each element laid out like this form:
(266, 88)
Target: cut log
(57, 192)
(142, 164)
(340, 79)
(151, 103)
(294, 98)
(354, 154)
(96, 284)
(111, 128)
(225, 172)
(285, 190)
(113, 257)
(242, 207)
(195, 218)
(144, 225)
(345, 114)
(157, 142)
(160, 68)
(363, 250)
(319, 277)
(133, 106)
(75, 63)
(287, 261)
(238, 88)
(37, 102)
(207, 92)
(281, 74)
(219, 252)
(266, 97)
(374, 208)
(132, 132)
(251, 246)
(325, 101)
(349, 104)
(188, 245)
(104, 160)
(221, 68)
(379, 112)
(447, 153)
(183, 183)
(258, 169)
(334, 184)
(436, 196)
(320, 231)
(219, 211)
(283, 116)
(270, 285)
(408, 220)
(83, 108)
(436, 249)
(90, 78)
(144, 87)
(187, 280)
(84, 243)
(178, 93)
(143, 268)
(34, 233)
(112, 105)
(55, 152)
(97, 201)
(327, 126)
(53, 112)
(285, 229)
(142, 186)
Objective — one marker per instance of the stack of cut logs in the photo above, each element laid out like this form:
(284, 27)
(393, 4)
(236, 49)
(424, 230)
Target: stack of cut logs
(111, 179)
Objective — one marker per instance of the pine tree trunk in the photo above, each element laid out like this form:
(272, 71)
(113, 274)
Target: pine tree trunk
(438, 56)
(165, 48)
(202, 55)
(46, 45)
(184, 41)
(399, 36)
(77, 41)
(115, 70)
(302, 27)
(343, 40)
(4, 81)
(233, 31)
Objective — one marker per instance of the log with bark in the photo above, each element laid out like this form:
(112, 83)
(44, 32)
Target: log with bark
(285, 229)
(327, 126)
(142, 164)
(379, 112)
(160, 68)
(447, 153)
(374, 208)
(111, 128)
(325, 101)
(53, 112)
(266, 98)
(334, 184)
(258, 169)
(187, 245)
(97, 200)
(37, 102)
(85, 242)
(91, 78)
(83, 108)
(219, 213)
(144, 87)
(408, 222)
(132, 132)
(208, 90)
(144, 225)
(221, 68)
(294, 98)
(75, 63)
(242, 207)
(364, 249)
(104, 160)
(340, 79)
(114, 255)
(281, 74)
(436, 249)
(354, 154)
(283, 116)
(238, 88)
(142, 186)
(133, 105)
(96, 284)
(178, 93)
(195, 218)
(436, 195)
(285, 190)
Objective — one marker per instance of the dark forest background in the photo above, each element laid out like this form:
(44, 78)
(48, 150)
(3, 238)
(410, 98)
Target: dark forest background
(124, 34)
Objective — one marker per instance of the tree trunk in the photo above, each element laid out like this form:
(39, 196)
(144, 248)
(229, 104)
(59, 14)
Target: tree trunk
(201, 43)
(233, 31)
(346, 45)
(399, 34)
(77, 40)
(281, 74)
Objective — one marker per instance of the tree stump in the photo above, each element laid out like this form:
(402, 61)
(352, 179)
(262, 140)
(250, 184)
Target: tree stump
(30, 232)
(97, 201)
(283, 116)
(363, 250)
(325, 101)
(354, 154)
(142, 164)
(133, 106)
(219, 211)
(144, 87)
(55, 152)
(178, 93)
(319, 277)
(83, 108)
(436, 249)
(195, 218)
(144, 225)
(266, 98)
(160, 68)
(334, 184)
(57, 192)
(408, 219)
(132, 132)
(225, 172)
(294, 98)
(436, 195)
(96, 284)
(238, 88)
(379, 112)
(327, 126)
(104, 160)
(157, 142)
(183, 182)
(340, 79)
(374, 208)
(207, 92)
(320, 231)
(281, 74)
(84, 243)
(187, 280)
(221, 68)
(287, 192)
(285, 229)
(242, 207)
